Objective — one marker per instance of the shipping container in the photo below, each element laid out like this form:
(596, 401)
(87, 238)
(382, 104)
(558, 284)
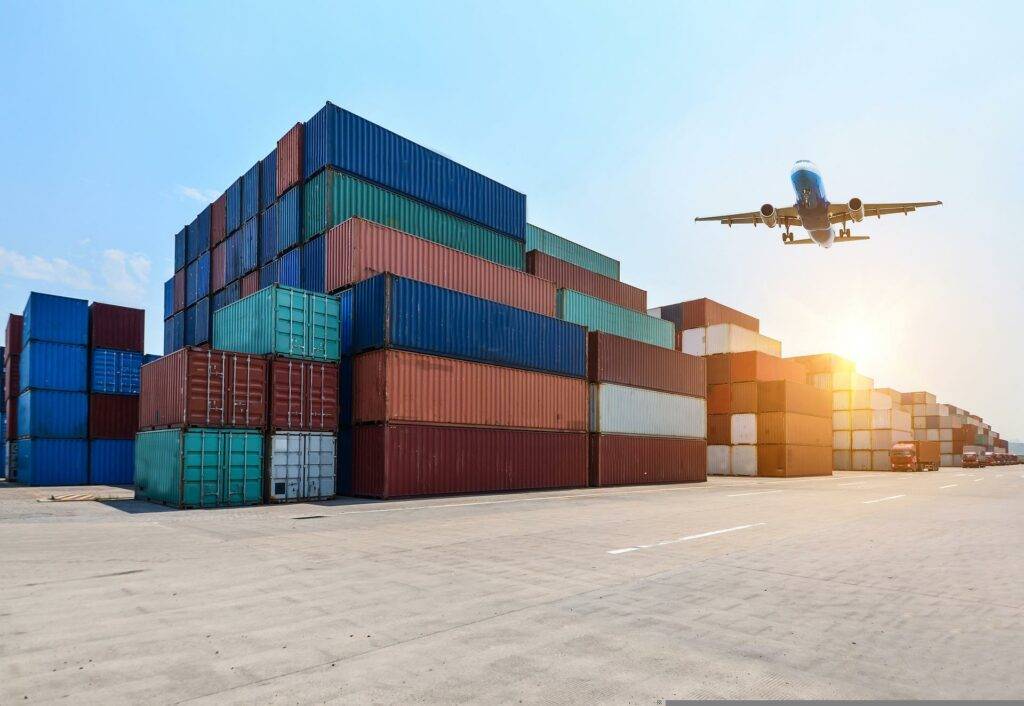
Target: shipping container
(701, 313)
(269, 274)
(303, 395)
(250, 284)
(48, 317)
(313, 265)
(197, 323)
(540, 240)
(113, 416)
(180, 249)
(54, 366)
(301, 466)
(114, 372)
(289, 219)
(791, 461)
(13, 339)
(358, 249)
(631, 460)
(12, 377)
(53, 414)
(883, 439)
(720, 399)
(752, 366)
(617, 409)
(405, 460)
(11, 448)
(282, 321)
(251, 193)
(396, 312)
(332, 198)
(268, 180)
(598, 315)
(743, 428)
(720, 429)
(191, 283)
(743, 398)
(402, 386)
(290, 150)
(726, 338)
(203, 276)
(719, 461)
(231, 293)
(566, 275)
(793, 429)
(268, 235)
(218, 267)
(789, 396)
(169, 298)
(199, 467)
(179, 291)
(337, 138)
(249, 247)
(218, 220)
(112, 461)
(743, 460)
(174, 333)
(625, 361)
(198, 235)
(53, 461)
(231, 256)
(233, 206)
(824, 363)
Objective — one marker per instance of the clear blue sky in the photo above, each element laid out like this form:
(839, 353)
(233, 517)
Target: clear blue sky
(621, 121)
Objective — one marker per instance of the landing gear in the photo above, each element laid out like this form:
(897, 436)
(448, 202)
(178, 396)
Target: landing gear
(845, 233)
(787, 237)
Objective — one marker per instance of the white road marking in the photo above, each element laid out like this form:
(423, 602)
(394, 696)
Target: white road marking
(848, 485)
(961, 475)
(879, 500)
(684, 539)
(978, 480)
(756, 492)
(943, 487)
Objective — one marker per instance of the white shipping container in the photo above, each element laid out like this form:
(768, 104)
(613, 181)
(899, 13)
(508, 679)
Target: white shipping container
(718, 460)
(744, 460)
(880, 461)
(841, 460)
(822, 381)
(944, 410)
(301, 466)
(860, 399)
(841, 420)
(851, 381)
(946, 447)
(618, 409)
(729, 338)
(880, 400)
(931, 410)
(743, 428)
(974, 449)
(958, 460)
(931, 434)
(694, 342)
(840, 400)
(920, 410)
(946, 460)
(860, 440)
(945, 422)
(920, 434)
(841, 440)
(944, 434)
(655, 312)
(920, 423)
(890, 419)
(860, 460)
(883, 439)
(860, 419)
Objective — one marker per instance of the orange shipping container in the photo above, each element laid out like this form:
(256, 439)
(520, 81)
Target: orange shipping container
(401, 386)
(744, 398)
(697, 313)
(790, 461)
(788, 396)
(719, 399)
(823, 363)
(800, 429)
(719, 429)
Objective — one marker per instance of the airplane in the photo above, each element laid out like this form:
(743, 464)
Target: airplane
(813, 212)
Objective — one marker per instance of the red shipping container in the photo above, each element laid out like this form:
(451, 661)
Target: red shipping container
(720, 399)
(303, 395)
(12, 375)
(204, 388)
(117, 327)
(403, 460)
(12, 419)
(358, 249)
(12, 335)
(566, 275)
(706, 312)
(617, 459)
(179, 291)
(720, 429)
(218, 268)
(250, 283)
(289, 158)
(219, 220)
(113, 416)
(624, 361)
(752, 366)
(401, 386)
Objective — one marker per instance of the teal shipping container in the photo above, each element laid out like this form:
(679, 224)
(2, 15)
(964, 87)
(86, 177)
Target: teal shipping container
(282, 321)
(579, 255)
(599, 315)
(199, 467)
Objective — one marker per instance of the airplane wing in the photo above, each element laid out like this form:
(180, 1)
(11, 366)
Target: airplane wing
(786, 215)
(838, 212)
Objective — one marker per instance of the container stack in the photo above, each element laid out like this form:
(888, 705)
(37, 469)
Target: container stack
(955, 429)
(3, 412)
(12, 387)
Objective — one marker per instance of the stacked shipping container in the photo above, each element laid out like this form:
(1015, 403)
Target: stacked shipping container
(12, 365)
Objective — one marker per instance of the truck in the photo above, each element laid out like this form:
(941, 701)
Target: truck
(970, 460)
(914, 456)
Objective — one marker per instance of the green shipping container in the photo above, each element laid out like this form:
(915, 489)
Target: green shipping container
(579, 255)
(199, 467)
(599, 315)
(332, 197)
(283, 321)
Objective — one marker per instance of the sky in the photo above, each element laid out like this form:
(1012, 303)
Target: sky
(620, 121)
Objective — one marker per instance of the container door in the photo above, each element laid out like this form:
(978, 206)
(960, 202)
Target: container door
(319, 466)
(290, 323)
(242, 471)
(201, 478)
(324, 327)
(214, 387)
(285, 466)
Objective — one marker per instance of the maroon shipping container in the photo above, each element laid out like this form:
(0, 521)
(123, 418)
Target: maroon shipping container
(720, 429)
(706, 312)
(627, 362)
(631, 460)
(566, 275)
(218, 268)
(358, 249)
(402, 460)
(12, 335)
(113, 416)
(117, 327)
(402, 386)
(289, 158)
(250, 283)
(219, 220)
(303, 395)
(12, 375)
(204, 388)
(179, 291)
(12, 418)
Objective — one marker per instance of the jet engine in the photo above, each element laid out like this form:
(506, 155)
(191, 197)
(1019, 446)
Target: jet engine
(856, 207)
(769, 216)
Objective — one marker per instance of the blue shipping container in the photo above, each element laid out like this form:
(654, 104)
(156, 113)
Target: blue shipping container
(231, 256)
(112, 461)
(343, 484)
(313, 265)
(149, 358)
(115, 372)
(169, 298)
(200, 322)
(268, 179)
(289, 219)
(289, 272)
(53, 414)
(58, 319)
(180, 249)
(268, 274)
(199, 234)
(233, 206)
(191, 283)
(228, 295)
(45, 365)
(251, 192)
(203, 276)
(338, 138)
(53, 461)
(390, 311)
(249, 247)
(268, 234)
(174, 333)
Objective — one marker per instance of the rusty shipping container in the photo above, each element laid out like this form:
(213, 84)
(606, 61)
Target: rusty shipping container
(12, 418)
(218, 267)
(566, 275)
(720, 429)
(697, 313)
(632, 460)
(113, 416)
(289, 158)
(789, 461)
(824, 363)
(720, 399)
(250, 284)
(12, 335)
(612, 358)
(743, 398)
(204, 388)
(218, 220)
(117, 327)
(789, 396)
(752, 366)
(401, 386)
(405, 460)
(798, 429)
(303, 395)
(179, 291)
(358, 249)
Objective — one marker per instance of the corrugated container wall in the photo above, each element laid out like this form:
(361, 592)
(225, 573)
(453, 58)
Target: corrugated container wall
(233, 206)
(301, 466)
(249, 247)
(112, 461)
(617, 409)
(115, 372)
(556, 246)
(598, 315)
(218, 267)
(698, 313)
(303, 395)
(290, 150)
(629, 460)
(179, 290)
(313, 265)
(13, 335)
(48, 317)
(218, 220)
(117, 327)
(250, 284)
(53, 461)
(53, 414)
(624, 361)
(566, 275)
(180, 249)
(169, 298)
(113, 416)
(54, 366)
(251, 192)
(268, 234)
(289, 219)
(268, 179)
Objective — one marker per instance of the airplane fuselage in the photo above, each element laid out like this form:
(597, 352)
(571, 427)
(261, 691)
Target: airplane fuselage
(811, 203)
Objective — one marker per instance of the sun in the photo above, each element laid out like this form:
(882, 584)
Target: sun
(858, 341)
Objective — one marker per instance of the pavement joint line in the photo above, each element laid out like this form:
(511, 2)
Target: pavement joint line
(879, 500)
(756, 492)
(943, 487)
(687, 538)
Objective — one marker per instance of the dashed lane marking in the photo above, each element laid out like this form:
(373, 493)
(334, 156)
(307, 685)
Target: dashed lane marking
(943, 487)
(880, 500)
(687, 538)
(756, 492)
